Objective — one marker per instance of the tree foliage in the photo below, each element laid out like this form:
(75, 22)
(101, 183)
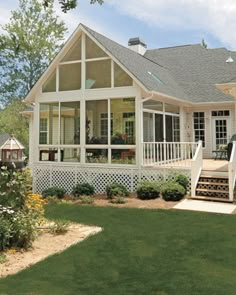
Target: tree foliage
(67, 5)
(12, 122)
(28, 43)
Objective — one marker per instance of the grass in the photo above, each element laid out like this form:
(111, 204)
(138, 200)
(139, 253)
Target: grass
(139, 252)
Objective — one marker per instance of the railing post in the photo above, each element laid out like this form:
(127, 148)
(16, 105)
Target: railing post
(196, 168)
(232, 171)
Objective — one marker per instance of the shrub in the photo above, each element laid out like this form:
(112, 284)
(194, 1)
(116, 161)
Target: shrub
(147, 190)
(182, 180)
(14, 186)
(83, 189)
(116, 189)
(172, 191)
(24, 229)
(118, 200)
(5, 233)
(54, 191)
(86, 200)
(59, 227)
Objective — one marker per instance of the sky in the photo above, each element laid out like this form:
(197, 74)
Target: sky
(160, 23)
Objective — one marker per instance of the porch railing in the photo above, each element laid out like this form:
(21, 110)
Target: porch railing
(196, 168)
(169, 154)
(232, 171)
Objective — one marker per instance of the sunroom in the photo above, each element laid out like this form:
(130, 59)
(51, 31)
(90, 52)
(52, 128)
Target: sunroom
(91, 110)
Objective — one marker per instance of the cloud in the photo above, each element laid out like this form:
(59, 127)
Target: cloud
(83, 15)
(215, 17)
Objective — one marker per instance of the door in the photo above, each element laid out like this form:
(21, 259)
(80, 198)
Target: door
(220, 132)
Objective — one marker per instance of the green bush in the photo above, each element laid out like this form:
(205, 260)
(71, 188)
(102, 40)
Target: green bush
(148, 190)
(54, 191)
(24, 229)
(5, 233)
(83, 189)
(118, 200)
(14, 186)
(86, 200)
(59, 227)
(116, 189)
(172, 191)
(182, 180)
(17, 228)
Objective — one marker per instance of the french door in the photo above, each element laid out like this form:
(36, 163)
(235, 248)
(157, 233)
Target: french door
(221, 132)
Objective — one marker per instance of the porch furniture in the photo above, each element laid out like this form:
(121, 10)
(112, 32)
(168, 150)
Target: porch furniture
(50, 155)
(220, 154)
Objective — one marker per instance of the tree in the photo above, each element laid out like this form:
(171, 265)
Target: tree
(12, 122)
(68, 4)
(28, 44)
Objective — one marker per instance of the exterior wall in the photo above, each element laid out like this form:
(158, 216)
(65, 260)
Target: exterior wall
(82, 96)
(207, 151)
(66, 176)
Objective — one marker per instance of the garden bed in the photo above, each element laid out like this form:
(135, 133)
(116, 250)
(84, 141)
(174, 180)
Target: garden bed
(46, 245)
(133, 202)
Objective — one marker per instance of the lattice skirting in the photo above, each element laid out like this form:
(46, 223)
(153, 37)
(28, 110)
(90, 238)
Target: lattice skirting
(66, 177)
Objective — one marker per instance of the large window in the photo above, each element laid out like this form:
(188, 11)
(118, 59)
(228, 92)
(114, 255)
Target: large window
(89, 61)
(43, 130)
(70, 123)
(199, 127)
(49, 124)
(69, 77)
(96, 133)
(121, 77)
(123, 131)
(98, 74)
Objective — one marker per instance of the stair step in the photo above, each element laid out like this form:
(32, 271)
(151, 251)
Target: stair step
(211, 199)
(211, 190)
(213, 183)
(213, 176)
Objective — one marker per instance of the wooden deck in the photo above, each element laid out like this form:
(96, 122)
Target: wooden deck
(215, 165)
(208, 165)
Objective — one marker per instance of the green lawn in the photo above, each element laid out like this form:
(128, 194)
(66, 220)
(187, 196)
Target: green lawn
(139, 252)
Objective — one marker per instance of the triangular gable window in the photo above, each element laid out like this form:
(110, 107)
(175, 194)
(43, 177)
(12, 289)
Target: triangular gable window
(92, 50)
(121, 77)
(74, 53)
(50, 84)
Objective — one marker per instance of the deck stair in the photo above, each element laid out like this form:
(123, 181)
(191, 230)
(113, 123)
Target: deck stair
(213, 187)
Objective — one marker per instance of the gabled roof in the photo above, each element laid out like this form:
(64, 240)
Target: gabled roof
(148, 72)
(3, 138)
(197, 70)
(8, 142)
(188, 73)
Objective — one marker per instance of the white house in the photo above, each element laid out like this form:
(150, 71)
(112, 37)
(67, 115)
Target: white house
(103, 112)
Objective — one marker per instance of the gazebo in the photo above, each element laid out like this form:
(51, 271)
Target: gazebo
(11, 151)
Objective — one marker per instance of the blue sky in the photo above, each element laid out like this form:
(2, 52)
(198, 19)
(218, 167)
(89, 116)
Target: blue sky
(160, 23)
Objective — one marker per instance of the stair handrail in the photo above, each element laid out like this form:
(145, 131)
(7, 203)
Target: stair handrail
(196, 168)
(232, 171)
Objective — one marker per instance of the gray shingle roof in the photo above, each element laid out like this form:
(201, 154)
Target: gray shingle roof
(139, 66)
(3, 138)
(188, 72)
(197, 70)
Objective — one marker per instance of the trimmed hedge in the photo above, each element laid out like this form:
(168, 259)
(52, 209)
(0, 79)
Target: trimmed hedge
(54, 191)
(116, 189)
(85, 188)
(147, 190)
(172, 191)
